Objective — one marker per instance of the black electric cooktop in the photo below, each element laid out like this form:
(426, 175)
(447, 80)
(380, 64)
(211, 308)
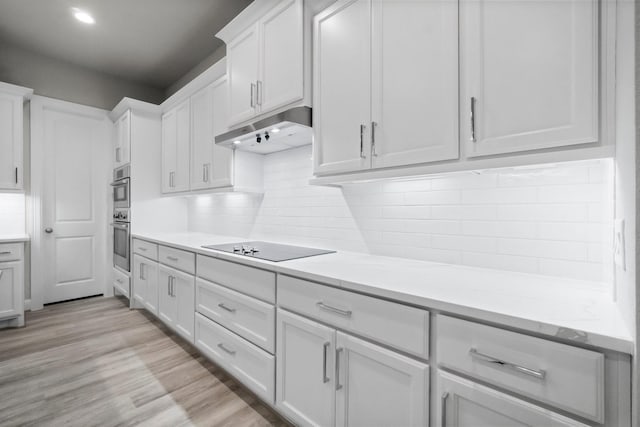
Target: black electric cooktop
(268, 251)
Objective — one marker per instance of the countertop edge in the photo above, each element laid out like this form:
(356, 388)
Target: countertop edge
(551, 330)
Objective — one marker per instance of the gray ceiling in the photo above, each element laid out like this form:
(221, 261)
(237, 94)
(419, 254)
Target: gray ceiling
(154, 42)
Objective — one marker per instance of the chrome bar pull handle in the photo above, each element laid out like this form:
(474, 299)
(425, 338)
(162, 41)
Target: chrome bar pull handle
(325, 349)
(226, 350)
(16, 175)
(172, 258)
(362, 155)
(253, 102)
(259, 92)
(443, 408)
(373, 139)
(5, 253)
(539, 374)
(321, 305)
(141, 268)
(473, 119)
(118, 155)
(224, 307)
(169, 285)
(338, 351)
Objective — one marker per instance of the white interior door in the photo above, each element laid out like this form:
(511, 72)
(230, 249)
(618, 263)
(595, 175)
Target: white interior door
(70, 166)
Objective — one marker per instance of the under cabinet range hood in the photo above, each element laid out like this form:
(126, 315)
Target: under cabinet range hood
(283, 131)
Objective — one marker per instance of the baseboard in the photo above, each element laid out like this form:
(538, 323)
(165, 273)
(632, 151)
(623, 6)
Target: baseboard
(27, 305)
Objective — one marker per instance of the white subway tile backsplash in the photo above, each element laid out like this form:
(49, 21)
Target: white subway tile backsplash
(553, 220)
(12, 213)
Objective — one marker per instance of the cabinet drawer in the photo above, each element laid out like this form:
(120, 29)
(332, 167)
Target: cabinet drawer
(146, 249)
(11, 251)
(178, 259)
(248, 280)
(248, 317)
(402, 327)
(121, 282)
(254, 367)
(560, 375)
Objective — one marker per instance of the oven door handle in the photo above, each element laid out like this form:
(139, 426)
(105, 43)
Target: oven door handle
(120, 182)
(125, 226)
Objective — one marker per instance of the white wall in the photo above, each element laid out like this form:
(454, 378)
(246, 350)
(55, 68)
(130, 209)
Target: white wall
(551, 220)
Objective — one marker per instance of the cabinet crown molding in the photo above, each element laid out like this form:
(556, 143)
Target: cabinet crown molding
(249, 16)
(24, 92)
(134, 105)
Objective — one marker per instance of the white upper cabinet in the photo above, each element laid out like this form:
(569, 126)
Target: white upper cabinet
(529, 74)
(176, 125)
(265, 58)
(342, 96)
(242, 69)
(385, 84)
(211, 165)
(11, 131)
(122, 141)
(414, 110)
(280, 80)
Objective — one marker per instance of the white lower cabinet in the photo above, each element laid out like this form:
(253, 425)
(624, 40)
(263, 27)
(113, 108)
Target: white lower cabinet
(176, 300)
(11, 293)
(464, 403)
(145, 283)
(326, 377)
(305, 390)
(251, 365)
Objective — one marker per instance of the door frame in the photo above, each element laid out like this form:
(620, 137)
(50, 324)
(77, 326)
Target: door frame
(35, 207)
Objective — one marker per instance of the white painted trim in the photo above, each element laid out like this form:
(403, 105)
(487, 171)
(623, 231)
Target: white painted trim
(207, 77)
(24, 92)
(139, 107)
(249, 16)
(27, 305)
(34, 211)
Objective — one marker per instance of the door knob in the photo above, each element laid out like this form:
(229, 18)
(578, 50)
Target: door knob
(48, 230)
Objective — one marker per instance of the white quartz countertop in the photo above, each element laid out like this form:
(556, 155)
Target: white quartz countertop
(13, 238)
(571, 310)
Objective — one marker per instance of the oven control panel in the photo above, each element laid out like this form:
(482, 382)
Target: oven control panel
(121, 215)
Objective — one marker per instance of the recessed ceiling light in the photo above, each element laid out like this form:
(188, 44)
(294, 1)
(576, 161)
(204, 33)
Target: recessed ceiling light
(83, 16)
(236, 142)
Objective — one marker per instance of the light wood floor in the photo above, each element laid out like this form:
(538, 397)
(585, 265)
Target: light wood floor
(94, 362)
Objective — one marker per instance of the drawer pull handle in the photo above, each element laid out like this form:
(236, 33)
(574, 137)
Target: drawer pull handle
(143, 249)
(224, 307)
(539, 374)
(226, 350)
(5, 252)
(325, 348)
(172, 258)
(323, 306)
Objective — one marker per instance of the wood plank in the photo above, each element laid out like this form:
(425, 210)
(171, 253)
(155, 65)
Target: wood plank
(95, 362)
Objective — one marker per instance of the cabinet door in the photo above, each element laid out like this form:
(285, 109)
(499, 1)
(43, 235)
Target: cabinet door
(184, 295)
(379, 387)
(222, 169)
(150, 274)
(123, 139)
(176, 132)
(463, 403)
(167, 305)
(202, 138)
(281, 56)
(242, 72)
(139, 280)
(10, 142)
(305, 374)
(529, 74)
(11, 290)
(414, 81)
(342, 92)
